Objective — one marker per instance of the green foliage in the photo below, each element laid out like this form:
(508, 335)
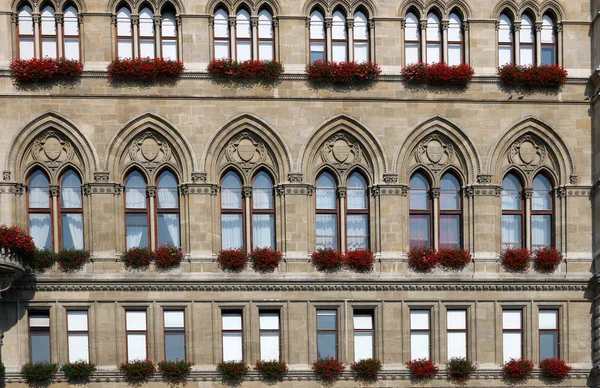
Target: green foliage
(39, 374)
(78, 372)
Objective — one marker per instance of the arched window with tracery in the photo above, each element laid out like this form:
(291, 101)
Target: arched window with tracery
(243, 35)
(434, 38)
(266, 41)
(25, 32)
(326, 212)
(48, 31)
(357, 213)
(548, 40)
(412, 39)
(40, 210)
(232, 212)
(168, 34)
(263, 212)
(71, 211)
(512, 212)
(71, 33)
(456, 53)
(420, 212)
(136, 211)
(527, 41)
(146, 33)
(505, 39)
(221, 34)
(542, 231)
(167, 209)
(361, 37)
(450, 221)
(317, 36)
(339, 37)
(124, 33)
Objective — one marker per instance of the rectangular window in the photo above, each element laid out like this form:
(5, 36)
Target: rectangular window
(232, 232)
(137, 335)
(420, 334)
(364, 335)
(40, 228)
(221, 49)
(454, 54)
(39, 336)
(338, 51)
(541, 231)
(412, 53)
(450, 231)
(244, 50)
(72, 230)
(548, 55)
(168, 229)
(433, 53)
(526, 55)
(78, 336)
(270, 335)
(174, 335)
(357, 231)
(457, 333)
(263, 231)
(327, 340)
(548, 334)
(232, 336)
(265, 50)
(512, 334)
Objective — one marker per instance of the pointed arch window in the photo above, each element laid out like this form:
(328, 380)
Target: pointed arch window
(412, 39)
(232, 212)
(420, 212)
(434, 39)
(361, 37)
(168, 35)
(40, 210)
(327, 212)
(456, 52)
(357, 217)
(512, 212)
(339, 43)
(541, 213)
(527, 41)
(71, 33)
(266, 42)
(450, 212)
(136, 211)
(317, 36)
(221, 34)
(167, 209)
(548, 40)
(124, 33)
(263, 212)
(26, 33)
(71, 211)
(48, 30)
(146, 33)
(243, 36)
(505, 40)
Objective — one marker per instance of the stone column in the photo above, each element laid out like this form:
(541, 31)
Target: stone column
(151, 192)
(435, 195)
(59, 35)
(423, 40)
(328, 48)
(517, 39)
(467, 42)
(559, 45)
(247, 195)
(36, 34)
(254, 23)
(371, 26)
(528, 193)
(350, 24)
(180, 38)
(342, 193)
(54, 190)
(276, 38)
(157, 36)
(232, 37)
(135, 30)
(445, 24)
(538, 43)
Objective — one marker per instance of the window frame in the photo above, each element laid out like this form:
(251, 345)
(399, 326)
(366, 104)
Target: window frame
(554, 45)
(241, 210)
(418, 42)
(62, 211)
(364, 212)
(278, 331)
(325, 331)
(39, 331)
(145, 211)
(363, 41)
(134, 332)
(521, 331)
(335, 211)
(25, 36)
(270, 211)
(429, 212)
(163, 38)
(76, 332)
(521, 212)
(128, 38)
(458, 212)
(510, 44)
(78, 36)
(160, 211)
(247, 39)
(226, 39)
(321, 41)
(465, 330)
(47, 36)
(531, 45)
(232, 311)
(434, 42)
(146, 37)
(428, 331)
(37, 210)
(333, 40)
(456, 42)
(370, 312)
(550, 213)
(175, 331)
(261, 39)
(557, 331)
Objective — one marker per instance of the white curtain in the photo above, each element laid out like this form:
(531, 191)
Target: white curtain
(540, 231)
(168, 229)
(40, 230)
(71, 197)
(168, 198)
(231, 231)
(326, 231)
(39, 198)
(511, 231)
(263, 231)
(75, 229)
(357, 230)
(137, 231)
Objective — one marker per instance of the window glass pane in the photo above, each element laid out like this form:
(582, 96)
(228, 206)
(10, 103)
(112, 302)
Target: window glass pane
(357, 231)
(419, 193)
(221, 49)
(449, 193)
(317, 26)
(511, 346)
(419, 231)
(263, 231)
(48, 21)
(231, 191)
(146, 23)
(505, 30)
(363, 346)
(419, 319)
(40, 230)
(326, 345)
(168, 197)
(262, 191)
(78, 347)
(541, 231)
(317, 51)
(269, 321)
(49, 47)
(269, 346)
(454, 28)
(39, 196)
(39, 319)
(357, 192)
(361, 52)
(25, 21)
(136, 320)
(412, 53)
(26, 48)
(146, 48)
(433, 28)
(135, 191)
(363, 322)
(232, 347)
(242, 25)
(419, 345)
(136, 347)
(511, 319)
(168, 26)
(125, 48)
(326, 231)
(265, 51)
(265, 24)
(339, 51)
(526, 55)
(70, 21)
(505, 55)
(77, 321)
(231, 231)
(174, 320)
(169, 49)
(449, 231)
(221, 24)
(542, 194)
(457, 345)
(548, 345)
(360, 26)
(168, 229)
(232, 321)
(72, 231)
(527, 33)
(548, 319)
(511, 231)
(70, 190)
(547, 29)
(411, 29)
(511, 193)
(326, 195)
(338, 26)
(40, 347)
(124, 22)
(244, 51)
(137, 230)
(454, 54)
(548, 55)
(433, 53)
(72, 49)
(326, 319)
(174, 346)
(457, 320)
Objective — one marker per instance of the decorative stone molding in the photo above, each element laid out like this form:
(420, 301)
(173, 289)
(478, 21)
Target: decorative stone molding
(527, 153)
(469, 192)
(151, 191)
(484, 179)
(101, 176)
(528, 192)
(199, 177)
(297, 189)
(573, 179)
(202, 189)
(341, 152)
(6, 176)
(11, 188)
(578, 191)
(247, 191)
(375, 191)
(435, 192)
(342, 192)
(246, 151)
(54, 190)
(102, 188)
(295, 177)
(150, 150)
(486, 190)
(390, 178)
(52, 150)
(401, 190)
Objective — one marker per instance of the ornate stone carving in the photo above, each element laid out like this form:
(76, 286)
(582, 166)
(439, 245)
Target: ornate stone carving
(247, 191)
(245, 151)
(435, 192)
(528, 192)
(149, 150)
(184, 190)
(151, 191)
(295, 177)
(527, 153)
(342, 192)
(573, 179)
(199, 177)
(341, 152)
(101, 176)
(6, 176)
(484, 179)
(54, 190)
(435, 151)
(390, 179)
(52, 150)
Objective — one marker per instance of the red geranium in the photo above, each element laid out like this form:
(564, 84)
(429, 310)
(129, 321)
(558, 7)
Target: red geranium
(272, 370)
(421, 259)
(367, 369)
(146, 69)
(554, 368)
(460, 368)
(517, 369)
(71, 260)
(546, 260)
(327, 260)
(328, 369)
(138, 371)
(265, 259)
(516, 259)
(359, 260)
(438, 74)
(233, 370)
(248, 70)
(342, 72)
(175, 372)
(422, 368)
(38, 70)
(544, 76)
(232, 260)
(16, 241)
(453, 259)
(167, 256)
(137, 258)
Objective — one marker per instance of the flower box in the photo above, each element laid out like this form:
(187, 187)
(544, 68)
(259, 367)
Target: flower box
(359, 260)
(367, 369)
(327, 260)
(246, 70)
(422, 368)
(78, 372)
(342, 73)
(167, 257)
(39, 374)
(437, 74)
(144, 69)
(137, 258)
(72, 260)
(453, 259)
(517, 369)
(47, 69)
(233, 370)
(17, 241)
(516, 259)
(544, 76)
(554, 368)
(138, 371)
(421, 259)
(175, 372)
(328, 369)
(546, 260)
(42, 260)
(265, 259)
(460, 369)
(232, 260)
(272, 370)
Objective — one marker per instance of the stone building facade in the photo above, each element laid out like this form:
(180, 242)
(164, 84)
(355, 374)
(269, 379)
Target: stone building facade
(200, 129)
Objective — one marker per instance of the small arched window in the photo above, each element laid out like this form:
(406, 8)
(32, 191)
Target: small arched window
(412, 39)
(124, 33)
(326, 212)
(434, 39)
(263, 212)
(25, 32)
(221, 33)
(167, 209)
(48, 31)
(136, 211)
(527, 41)
(455, 40)
(168, 35)
(40, 210)
(146, 29)
(232, 212)
(71, 211)
(450, 212)
(243, 36)
(512, 212)
(541, 213)
(71, 33)
(317, 36)
(505, 40)
(357, 217)
(361, 37)
(339, 52)
(266, 42)
(420, 212)
(548, 37)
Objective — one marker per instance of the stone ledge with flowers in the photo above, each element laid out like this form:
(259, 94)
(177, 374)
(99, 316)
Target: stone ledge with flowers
(438, 74)
(31, 71)
(175, 372)
(250, 70)
(343, 73)
(532, 77)
(144, 69)
(517, 369)
(422, 369)
(138, 371)
(233, 371)
(328, 369)
(167, 257)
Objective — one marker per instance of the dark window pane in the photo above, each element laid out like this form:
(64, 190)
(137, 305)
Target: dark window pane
(174, 346)
(547, 55)
(419, 231)
(326, 343)
(548, 345)
(40, 347)
(326, 320)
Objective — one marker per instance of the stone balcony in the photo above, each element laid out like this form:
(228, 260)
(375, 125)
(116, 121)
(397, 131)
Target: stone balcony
(11, 267)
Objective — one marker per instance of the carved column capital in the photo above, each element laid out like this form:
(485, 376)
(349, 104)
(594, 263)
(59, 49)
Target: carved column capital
(54, 190)
(151, 191)
(445, 24)
(254, 21)
(342, 192)
(435, 192)
(6, 175)
(328, 22)
(232, 21)
(423, 24)
(528, 193)
(247, 191)
(135, 20)
(59, 18)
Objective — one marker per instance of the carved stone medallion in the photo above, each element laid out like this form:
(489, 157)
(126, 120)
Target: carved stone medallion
(149, 150)
(52, 150)
(435, 151)
(245, 151)
(341, 151)
(527, 153)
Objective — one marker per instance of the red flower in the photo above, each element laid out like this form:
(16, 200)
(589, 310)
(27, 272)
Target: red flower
(544, 76)
(232, 260)
(342, 72)
(422, 368)
(137, 258)
(167, 256)
(516, 260)
(71, 260)
(328, 369)
(367, 369)
(138, 371)
(359, 260)
(517, 369)
(176, 372)
(247, 70)
(327, 260)
(233, 370)
(421, 259)
(453, 259)
(147, 69)
(272, 370)
(265, 259)
(546, 260)
(554, 368)
(39, 70)
(16, 241)
(460, 369)
(438, 74)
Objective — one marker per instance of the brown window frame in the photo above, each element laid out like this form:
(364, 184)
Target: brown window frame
(168, 38)
(222, 39)
(521, 213)
(278, 331)
(421, 330)
(145, 211)
(370, 312)
(270, 211)
(175, 331)
(526, 44)
(460, 42)
(124, 37)
(239, 312)
(335, 211)
(465, 330)
(438, 42)
(417, 42)
(429, 212)
(78, 36)
(521, 331)
(46, 36)
(512, 42)
(237, 39)
(39, 210)
(25, 36)
(76, 332)
(160, 211)
(350, 212)
(557, 331)
(335, 331)
(543, 213)
(241, 210)
(38, 330)
(311, 40)
(146, 37)
(133, 332)
(367, 41)
(62, 211)
(458, 212)
(272, 40)
(345, 41)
